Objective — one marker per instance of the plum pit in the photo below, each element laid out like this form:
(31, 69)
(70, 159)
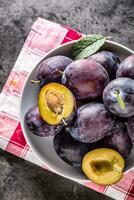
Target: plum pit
(101, 166)
(55, 101)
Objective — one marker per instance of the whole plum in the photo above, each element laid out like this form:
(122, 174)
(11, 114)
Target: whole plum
(85, 78)
(130, 125)
(70, 150)
(118, 97)
(119, 140)
(126, 68)
(37, 125)
(92, 123)
(50, 70)
(108, 60)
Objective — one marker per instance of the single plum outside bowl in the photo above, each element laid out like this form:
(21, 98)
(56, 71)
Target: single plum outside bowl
(43, 147)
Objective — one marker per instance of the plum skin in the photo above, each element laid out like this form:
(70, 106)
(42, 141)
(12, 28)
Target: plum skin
(92, 123)
(126, 68)
(130, 125)
(69, 150)
(85, 78)
(125, 88)
(119, 140)
(47, 70)
(108, 60)
(36, 125)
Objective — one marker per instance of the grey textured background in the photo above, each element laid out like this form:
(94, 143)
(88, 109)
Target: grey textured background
(20, 180)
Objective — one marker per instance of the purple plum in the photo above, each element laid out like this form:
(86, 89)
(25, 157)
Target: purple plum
(118, 140)
(51, 69)
(36, 125)
(118, 97)
(108, 60)
(126, 68)
(70, 150)
(92, 123)
(85, 78)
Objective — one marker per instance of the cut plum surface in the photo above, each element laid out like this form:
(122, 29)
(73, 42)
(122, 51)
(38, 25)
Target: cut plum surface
(103, 166)
(56, 103)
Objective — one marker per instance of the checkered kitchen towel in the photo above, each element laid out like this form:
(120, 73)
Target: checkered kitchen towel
(43, 37)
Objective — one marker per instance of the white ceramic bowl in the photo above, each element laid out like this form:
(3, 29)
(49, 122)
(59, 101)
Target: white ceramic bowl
(43, 147)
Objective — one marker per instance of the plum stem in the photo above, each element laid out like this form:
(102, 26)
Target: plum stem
(67, 128)
(109, 37)
(35, 81)
(61, 72)
(64, 122)
(120, 100)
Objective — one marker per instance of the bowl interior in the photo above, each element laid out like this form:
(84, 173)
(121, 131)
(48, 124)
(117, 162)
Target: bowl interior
(43, 147)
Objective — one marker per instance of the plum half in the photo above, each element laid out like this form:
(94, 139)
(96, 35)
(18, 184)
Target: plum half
(70, 150)
(108, 60)
(118, 97)
(126, 68)
(36, 125)
(92, 123)
(50, 70)
(56, 104)
(103, 166)
(119, 140)
(85, 78)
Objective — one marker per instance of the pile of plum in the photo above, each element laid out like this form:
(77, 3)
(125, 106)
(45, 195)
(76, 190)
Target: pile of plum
(85, 104)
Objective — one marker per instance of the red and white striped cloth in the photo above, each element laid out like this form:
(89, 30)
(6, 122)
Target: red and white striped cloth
(43, 37)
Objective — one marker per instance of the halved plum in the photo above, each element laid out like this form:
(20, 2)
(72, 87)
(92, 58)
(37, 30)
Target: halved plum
(56, 104)
(103, 166)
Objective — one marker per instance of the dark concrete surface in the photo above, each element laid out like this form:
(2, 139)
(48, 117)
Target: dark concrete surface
(20, 180)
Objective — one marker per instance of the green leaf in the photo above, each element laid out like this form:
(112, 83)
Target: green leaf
(120, 101)
(87, 46)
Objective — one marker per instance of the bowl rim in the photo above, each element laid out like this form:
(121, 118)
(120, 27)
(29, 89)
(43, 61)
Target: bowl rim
(52, 169)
